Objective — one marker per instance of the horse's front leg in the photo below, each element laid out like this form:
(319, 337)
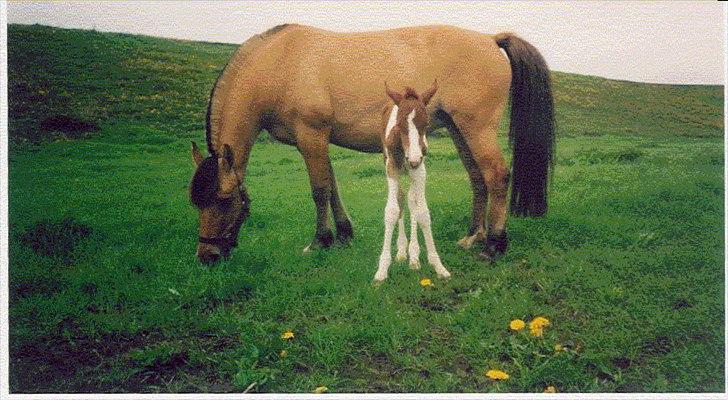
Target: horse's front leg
(313, 145)
(391, 215)
(421, 214)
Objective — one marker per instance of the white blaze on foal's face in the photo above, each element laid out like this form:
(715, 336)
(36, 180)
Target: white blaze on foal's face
(414, 155)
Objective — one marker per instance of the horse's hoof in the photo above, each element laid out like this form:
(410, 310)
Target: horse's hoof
(379, 279)
(466, 242)
(495, 246)
(414, 265)
(400, 257)
(322, 240)
(344, 232)
(444, 274)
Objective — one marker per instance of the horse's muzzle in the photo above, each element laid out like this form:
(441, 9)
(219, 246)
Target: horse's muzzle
(210, 254)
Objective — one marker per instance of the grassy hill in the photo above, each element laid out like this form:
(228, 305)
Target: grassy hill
(109, 78)
(106, 295)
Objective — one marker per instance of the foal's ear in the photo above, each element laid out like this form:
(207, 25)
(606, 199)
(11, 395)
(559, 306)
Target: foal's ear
(196, 156)
(226, 161)
(396, 97)
(427, 96)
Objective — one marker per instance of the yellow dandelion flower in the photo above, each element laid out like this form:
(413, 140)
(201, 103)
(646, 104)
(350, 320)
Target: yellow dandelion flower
(497, 375)
(540, 322)
(517, 324)
(558, 347)
(537, 324)
(321, 389)
(549, 389)
(426, 282)
(283, 354)
(287, 335)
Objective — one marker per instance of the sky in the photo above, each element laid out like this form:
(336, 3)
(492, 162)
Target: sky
(659, 42)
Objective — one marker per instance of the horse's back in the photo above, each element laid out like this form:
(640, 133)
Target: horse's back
(337, 79)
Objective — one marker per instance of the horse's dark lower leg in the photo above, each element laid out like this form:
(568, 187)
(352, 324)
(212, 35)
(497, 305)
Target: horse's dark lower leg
(313, 145)
(324, 237)
(496, 177)
(344, 230)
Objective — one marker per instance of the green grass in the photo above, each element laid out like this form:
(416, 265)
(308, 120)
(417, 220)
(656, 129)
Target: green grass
(628, 265)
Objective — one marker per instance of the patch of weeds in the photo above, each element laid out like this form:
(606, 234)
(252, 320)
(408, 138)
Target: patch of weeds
(159, 363)
(67, 127)
(680, 304)
(597, 156)
(714, 189)
(56, 239)
(450, 156)
(369, 172)
(251, 370)
(137, 135)
(658, 346)
(50, 363)
(46, 287)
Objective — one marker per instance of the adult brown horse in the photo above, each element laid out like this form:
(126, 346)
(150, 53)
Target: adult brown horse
(309, 87)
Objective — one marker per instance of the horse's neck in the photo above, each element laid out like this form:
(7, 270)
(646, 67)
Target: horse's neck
(241, 141)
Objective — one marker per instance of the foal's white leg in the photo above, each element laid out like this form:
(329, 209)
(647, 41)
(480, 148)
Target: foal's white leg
(401, 239)
(422, 215)
(414, 245)
(391, 214)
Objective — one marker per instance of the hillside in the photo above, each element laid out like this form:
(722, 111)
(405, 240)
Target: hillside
(108, 78)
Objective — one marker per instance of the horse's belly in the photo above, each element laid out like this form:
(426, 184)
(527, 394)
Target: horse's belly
(357, 141)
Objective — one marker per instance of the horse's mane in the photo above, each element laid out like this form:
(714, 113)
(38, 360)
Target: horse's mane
(215, 104)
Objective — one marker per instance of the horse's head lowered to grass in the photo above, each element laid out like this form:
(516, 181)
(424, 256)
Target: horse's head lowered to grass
(218, 193)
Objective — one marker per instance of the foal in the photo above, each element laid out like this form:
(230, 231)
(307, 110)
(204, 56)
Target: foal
(405, 146)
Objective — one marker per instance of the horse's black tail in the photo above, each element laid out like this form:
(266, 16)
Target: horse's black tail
(532, 127)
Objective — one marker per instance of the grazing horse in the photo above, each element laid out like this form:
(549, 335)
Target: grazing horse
(405, 146)
(310, 87)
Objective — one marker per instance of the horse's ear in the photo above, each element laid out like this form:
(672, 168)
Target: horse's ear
(196, 156)
(227, 159)
(427, 96)
(396, 97)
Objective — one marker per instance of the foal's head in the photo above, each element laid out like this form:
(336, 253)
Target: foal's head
(219, 195)
(412, 121)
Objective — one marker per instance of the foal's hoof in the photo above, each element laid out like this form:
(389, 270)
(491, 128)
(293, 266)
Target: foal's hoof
(495, 246)
(379, 279)
(444, 274)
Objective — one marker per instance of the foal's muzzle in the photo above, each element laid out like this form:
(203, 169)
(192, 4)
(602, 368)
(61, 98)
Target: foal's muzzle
(414, 163)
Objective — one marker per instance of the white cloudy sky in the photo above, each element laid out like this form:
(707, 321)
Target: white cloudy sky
(664, 42)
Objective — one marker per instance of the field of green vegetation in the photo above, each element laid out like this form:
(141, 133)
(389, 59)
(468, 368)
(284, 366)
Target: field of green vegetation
(105, 293)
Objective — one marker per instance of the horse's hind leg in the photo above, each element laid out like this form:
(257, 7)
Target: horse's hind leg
(480, 193)
(344, 230)
(486, 153)
(313, 145)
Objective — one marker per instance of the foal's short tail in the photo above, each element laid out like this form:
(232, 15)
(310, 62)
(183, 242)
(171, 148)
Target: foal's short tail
(531, 133)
